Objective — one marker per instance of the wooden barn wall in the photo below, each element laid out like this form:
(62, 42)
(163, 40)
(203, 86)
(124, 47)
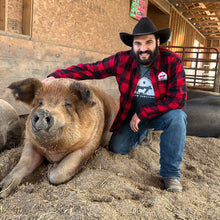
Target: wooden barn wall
(63, 33)
(183, 33)
(158, 17)
(2, 15)
(90, 25)
(38, 37)
(14, 18)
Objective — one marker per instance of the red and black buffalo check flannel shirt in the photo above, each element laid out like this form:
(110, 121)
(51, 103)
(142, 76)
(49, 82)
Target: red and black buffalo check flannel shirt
(167, 77)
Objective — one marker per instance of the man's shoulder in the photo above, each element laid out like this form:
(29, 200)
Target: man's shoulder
(124, 56)
(124, 53)
(119, 56)
(168, 53)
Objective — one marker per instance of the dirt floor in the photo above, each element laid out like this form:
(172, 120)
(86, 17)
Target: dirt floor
(113, 186)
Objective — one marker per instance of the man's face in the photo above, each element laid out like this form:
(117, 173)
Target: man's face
(145, 48)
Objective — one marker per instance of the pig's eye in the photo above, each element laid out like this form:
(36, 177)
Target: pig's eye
(67, 104)
(40, 102)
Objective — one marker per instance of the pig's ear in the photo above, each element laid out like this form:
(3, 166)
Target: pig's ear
(83, 92)
(24, 90)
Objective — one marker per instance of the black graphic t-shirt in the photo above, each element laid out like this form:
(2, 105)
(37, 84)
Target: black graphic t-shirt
(144, 93)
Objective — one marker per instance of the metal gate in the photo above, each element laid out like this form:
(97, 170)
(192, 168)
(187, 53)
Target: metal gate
(201, 65)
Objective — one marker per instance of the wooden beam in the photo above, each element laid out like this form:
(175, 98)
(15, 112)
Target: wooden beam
(27, 17)
(205, 21)
(210, 31)
(201, 16)
(209, 26)
(200, 9)
(2, 15)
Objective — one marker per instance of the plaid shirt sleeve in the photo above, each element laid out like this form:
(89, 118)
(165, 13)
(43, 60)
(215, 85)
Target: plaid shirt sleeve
(170, 94)
(98, 70)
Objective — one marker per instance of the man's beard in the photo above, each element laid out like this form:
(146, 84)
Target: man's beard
(146, 62)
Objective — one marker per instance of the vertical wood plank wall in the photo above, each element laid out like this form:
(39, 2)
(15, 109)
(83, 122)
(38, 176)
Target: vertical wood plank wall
(16, 16)
(14, 22)
(2, 14)
(27, 17)
(183, 33)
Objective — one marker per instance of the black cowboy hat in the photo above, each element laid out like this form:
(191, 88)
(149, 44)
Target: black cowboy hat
(145, 27)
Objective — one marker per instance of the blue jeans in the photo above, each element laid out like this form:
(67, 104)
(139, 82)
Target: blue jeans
(172, 140)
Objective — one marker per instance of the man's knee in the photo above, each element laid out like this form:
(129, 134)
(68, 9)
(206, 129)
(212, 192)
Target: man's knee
(177, 122)
(119, 145)
(118, 148)
(177, 116)
(181, 116)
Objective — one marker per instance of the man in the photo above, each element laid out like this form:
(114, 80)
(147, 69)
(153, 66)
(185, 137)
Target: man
(153, 91)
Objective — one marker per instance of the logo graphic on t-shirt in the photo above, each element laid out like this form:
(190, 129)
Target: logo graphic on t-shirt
(144, 88)
(162, 76)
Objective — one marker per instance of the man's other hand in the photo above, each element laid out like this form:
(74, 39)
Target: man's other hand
(48, 79)
(134, 123)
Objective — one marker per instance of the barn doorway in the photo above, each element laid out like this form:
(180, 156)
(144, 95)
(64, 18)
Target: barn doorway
(158, 15)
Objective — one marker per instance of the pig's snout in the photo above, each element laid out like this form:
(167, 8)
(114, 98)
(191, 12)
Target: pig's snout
(42, 120)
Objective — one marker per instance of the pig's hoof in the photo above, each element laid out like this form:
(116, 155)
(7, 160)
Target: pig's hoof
(5, 192)
(52, 174)
(7, 186)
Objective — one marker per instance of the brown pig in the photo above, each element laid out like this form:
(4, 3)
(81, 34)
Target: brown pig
(68, 121)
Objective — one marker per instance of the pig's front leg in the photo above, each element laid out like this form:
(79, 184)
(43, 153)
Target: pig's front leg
(30, 159)
(64, 170)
